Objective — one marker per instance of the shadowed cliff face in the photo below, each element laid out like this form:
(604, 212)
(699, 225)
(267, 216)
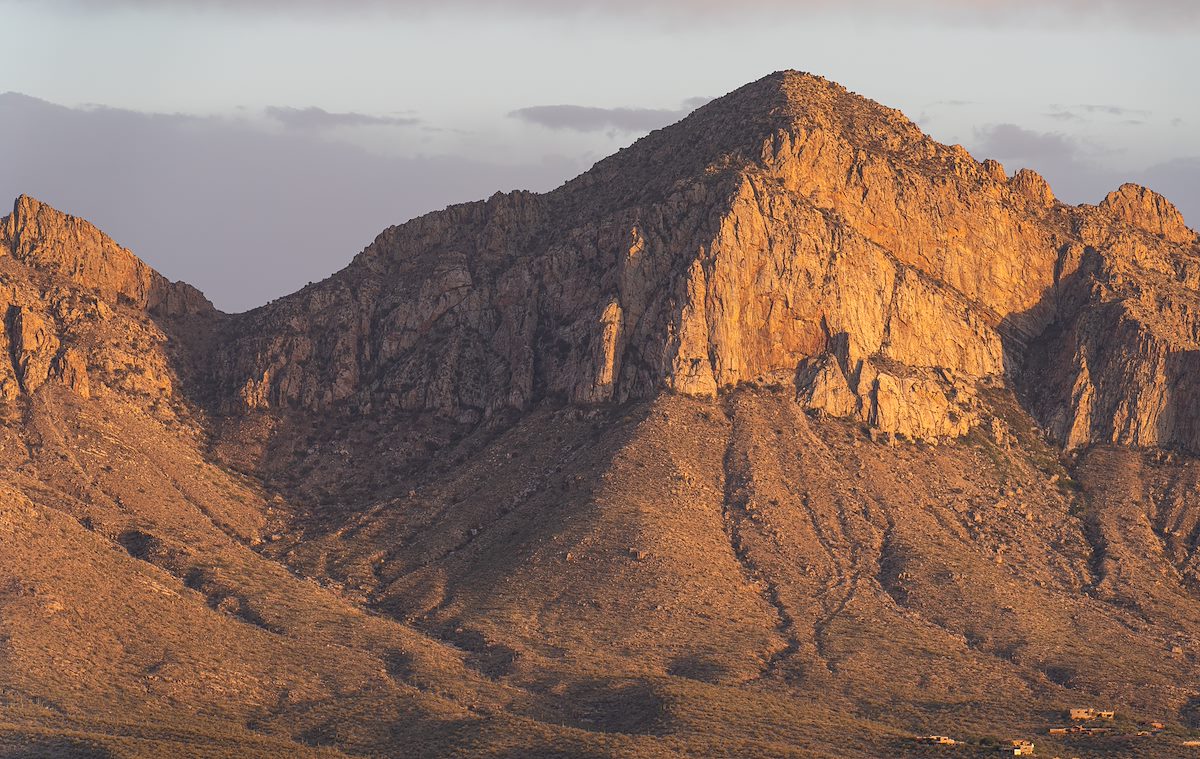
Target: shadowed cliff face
(747, 442)
(1117, 367)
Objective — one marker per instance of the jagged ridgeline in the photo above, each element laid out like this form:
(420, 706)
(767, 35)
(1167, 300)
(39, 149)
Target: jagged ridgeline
(791, 230)
(601, 471)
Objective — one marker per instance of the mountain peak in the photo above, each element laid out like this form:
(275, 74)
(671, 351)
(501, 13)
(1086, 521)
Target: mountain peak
(804, 97)
(1147, 210)
(742, 128)
(791, 229)
(40, 236)
(797, 101)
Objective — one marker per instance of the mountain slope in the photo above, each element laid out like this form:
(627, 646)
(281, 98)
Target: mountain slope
(785, 431)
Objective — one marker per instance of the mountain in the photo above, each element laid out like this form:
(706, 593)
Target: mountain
(786, 431)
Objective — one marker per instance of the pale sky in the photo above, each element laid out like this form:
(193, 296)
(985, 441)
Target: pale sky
(249, 147)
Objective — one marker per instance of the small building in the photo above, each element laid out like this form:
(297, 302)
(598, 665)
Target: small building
(1022, 747)
(1082, 714)
(938, 740)
(1106, 715)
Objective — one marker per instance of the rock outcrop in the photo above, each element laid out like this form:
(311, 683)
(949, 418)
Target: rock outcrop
(1148, 211)
(81, 311)
(70, 368)
(34, 346)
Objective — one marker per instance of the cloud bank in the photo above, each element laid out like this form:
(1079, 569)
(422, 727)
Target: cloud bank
(1159, 16)
(581, 118)
(319, 118)
(1165, 15)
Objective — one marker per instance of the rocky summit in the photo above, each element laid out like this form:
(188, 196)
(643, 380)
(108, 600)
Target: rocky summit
(786, 431)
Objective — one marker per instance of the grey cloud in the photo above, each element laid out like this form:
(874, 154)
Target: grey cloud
(1011, 141)
(925, 116)
(1112, 110)
(582, 118)
(244, 214)
(1166, 15)
(1075, 112)
(318, 118)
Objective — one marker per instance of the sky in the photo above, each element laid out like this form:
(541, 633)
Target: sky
(251, 146)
